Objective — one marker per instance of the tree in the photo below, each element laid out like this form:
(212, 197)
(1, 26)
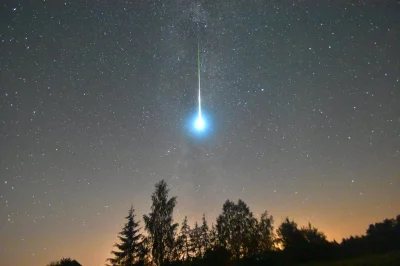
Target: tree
(236, 227)
(205, 239)
(159, 224)
(303, 244)
(173, 245)
(317, 246)
(266, 232)
(145, 248)
(185, 239)
(312, 235)
(382, 236)
(289, 236)
(64, 262)
(213, 237)
(195, 237)
(130, 248)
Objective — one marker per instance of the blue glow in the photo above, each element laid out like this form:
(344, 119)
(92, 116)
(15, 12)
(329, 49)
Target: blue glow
(199, 123)
(199, 126)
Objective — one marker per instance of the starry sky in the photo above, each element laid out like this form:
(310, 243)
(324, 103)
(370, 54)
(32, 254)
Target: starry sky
(97, 100)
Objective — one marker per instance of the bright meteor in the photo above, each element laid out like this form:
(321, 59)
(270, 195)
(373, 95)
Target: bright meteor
(199, 123)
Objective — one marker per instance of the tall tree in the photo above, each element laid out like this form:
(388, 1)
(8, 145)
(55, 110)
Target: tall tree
(185, 239)
(178, 253)
(195, 238)
(213, 237)
(130, 246)
(236, 226)
(266, 232)
(205, 239)
(159, 223)
(173, 245)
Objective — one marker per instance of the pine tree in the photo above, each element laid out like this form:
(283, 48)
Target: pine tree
(185, 239)
(205, 239)
(213, 237)
(159, 224)
(130, 247)
(195, 237)
(178, 252)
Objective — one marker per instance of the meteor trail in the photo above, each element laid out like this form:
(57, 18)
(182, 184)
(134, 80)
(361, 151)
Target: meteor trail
(198, 74)
(199, 123)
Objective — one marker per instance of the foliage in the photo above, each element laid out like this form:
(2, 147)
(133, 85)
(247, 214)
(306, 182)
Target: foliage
(235, 228)
(266, 232)
(213, 237)
(238, 238)
(195, 236)
(184, 240)
(130, 248)
(64, 262)
(159, 224)
(205, 239)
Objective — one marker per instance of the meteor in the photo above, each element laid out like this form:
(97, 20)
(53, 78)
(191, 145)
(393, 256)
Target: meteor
(199, 123)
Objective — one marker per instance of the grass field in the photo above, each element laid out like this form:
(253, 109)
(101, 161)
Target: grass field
(389, 259)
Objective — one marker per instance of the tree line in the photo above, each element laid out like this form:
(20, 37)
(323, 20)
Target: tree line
(236, 238)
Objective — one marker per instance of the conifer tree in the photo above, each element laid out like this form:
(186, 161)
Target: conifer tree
(185, 239)
(213, 237)
(205, 240)
(195, 237)
(130, 247)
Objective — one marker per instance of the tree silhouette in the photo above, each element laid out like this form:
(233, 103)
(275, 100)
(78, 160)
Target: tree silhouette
(130, 247)
(213, 237)
(64, 262)
(185, 239)
(195, 237)
(237, 238)
(289, 236)
(173, 245)
(384, 236)
(312, 235)
(236, 227)
(303, 244)
(266, 232)
(159, 224)
(145, 248)
(205, 241)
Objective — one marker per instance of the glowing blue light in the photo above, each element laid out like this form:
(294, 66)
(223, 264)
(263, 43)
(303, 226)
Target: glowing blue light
(199, 124)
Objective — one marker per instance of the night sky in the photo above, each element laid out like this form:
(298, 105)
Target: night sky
(97, 100)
